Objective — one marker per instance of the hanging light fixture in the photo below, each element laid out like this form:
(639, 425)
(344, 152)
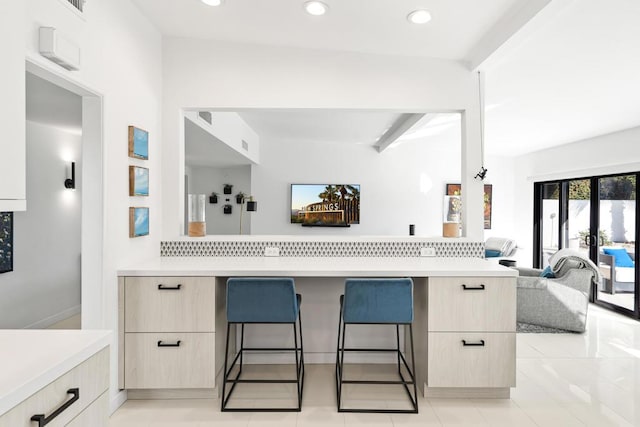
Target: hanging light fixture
(483, 171)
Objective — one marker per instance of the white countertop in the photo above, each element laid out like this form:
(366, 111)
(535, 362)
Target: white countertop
(30, 359)
(317, 267)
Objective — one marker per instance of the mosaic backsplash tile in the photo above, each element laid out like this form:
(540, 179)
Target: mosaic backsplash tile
(386, 248)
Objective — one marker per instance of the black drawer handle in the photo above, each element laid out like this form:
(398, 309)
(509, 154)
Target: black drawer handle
(161, 344)
(169, 288)
(43, 421)
(473, 344)
(473, 288)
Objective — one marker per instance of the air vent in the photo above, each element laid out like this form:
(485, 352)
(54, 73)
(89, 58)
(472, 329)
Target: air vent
(245, 145)
(78, 4)
(206, 116)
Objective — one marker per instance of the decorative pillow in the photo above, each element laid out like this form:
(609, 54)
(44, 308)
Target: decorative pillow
(621, 256)
(548, 273)
(491, 253)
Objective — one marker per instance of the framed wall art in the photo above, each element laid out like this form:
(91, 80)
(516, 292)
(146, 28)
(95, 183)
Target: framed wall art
(138, 143)
(6, 242)
(456, 190)
(138, 222)
(138, 181)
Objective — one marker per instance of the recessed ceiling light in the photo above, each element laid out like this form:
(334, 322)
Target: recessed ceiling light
(419, 16)
(212, 2)
(315, 8)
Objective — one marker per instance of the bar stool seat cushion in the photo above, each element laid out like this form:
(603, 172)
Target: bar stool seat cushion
(261, 300)
(378, 301)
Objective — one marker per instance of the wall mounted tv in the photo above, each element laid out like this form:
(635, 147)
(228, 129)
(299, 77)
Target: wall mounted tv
(325, 205)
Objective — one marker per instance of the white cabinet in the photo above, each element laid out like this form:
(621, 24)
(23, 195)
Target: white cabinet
(471, 340)
(168, 332)
(75, 392)
(12, 107)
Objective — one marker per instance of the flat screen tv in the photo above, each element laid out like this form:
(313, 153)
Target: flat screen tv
(325, 205)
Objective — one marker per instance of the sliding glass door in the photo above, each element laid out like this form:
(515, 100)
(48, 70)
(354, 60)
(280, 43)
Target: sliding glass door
(598, 217)
(617, 241)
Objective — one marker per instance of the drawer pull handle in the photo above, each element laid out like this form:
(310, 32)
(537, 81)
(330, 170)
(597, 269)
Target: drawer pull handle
(43, 421)
(473, 344)
(473, 288)
(176, 344)
(169, 288)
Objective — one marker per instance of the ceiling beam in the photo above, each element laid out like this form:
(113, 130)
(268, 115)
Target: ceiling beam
(506, 27)
(403, 124)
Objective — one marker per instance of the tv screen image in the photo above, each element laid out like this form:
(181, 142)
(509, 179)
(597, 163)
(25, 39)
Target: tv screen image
(325, 204)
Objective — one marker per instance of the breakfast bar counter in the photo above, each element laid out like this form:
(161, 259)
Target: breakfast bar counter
(319, 267)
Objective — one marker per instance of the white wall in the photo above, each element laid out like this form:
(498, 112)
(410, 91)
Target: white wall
(121, 60)
(44, 286)
(205, 180)
(607, 154)
(402, 185)
(212, 75)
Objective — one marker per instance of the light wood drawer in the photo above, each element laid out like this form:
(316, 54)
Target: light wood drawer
(91, 378)
(169, 304)
(472, 304)
(453, 364)
(96, 415)
(152, 362)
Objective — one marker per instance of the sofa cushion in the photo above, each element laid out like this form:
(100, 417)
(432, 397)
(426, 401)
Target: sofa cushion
(548, 273)
(492, 253)
(621, 256)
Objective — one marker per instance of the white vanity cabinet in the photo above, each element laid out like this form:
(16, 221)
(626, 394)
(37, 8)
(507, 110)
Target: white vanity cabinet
(168, 327)
(471, 332)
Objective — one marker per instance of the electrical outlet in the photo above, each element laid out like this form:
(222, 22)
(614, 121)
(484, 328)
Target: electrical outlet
(272, 251)
(427, 251)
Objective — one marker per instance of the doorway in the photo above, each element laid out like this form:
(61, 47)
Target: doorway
(90, 176)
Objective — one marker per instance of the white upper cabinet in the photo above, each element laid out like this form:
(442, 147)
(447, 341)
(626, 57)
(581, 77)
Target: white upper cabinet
(12, 107)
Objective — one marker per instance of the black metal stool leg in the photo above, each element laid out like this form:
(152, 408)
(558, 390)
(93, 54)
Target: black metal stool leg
(301, 368)
(224, 373)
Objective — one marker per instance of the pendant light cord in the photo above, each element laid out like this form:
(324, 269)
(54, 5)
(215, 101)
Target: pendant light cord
(483, 171)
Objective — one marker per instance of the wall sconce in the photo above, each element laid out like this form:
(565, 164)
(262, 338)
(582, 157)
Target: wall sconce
(70, 183)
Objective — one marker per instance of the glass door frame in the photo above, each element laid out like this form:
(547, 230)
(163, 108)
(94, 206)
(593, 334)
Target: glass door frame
(594, 222)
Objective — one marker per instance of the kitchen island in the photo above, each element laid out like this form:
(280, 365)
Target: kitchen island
(464, 319)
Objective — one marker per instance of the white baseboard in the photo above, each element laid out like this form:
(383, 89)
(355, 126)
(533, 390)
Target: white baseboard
(117, 401)
(51, 320)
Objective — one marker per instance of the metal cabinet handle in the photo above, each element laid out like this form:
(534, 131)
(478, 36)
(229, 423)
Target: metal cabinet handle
(43, 421)
(473, 288)
(169, 288)
(473, 344)
(176, 344)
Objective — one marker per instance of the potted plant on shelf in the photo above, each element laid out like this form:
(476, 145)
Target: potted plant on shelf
(213, 198)
(240, 198)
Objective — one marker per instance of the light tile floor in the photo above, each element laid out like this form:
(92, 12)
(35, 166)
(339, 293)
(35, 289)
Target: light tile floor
(563, 380)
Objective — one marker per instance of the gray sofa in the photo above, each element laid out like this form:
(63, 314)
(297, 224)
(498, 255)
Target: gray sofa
(561, 302)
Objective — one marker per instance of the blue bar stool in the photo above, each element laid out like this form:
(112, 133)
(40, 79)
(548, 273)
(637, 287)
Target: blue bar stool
(377, 302)
(256, 300)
